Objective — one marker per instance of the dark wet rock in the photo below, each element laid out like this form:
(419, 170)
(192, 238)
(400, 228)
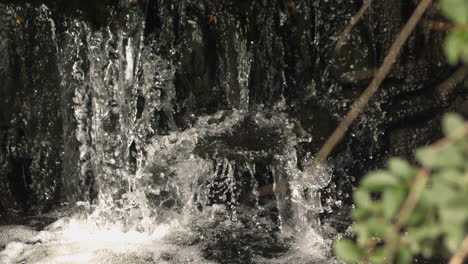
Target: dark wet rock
(234, 242)
(31, 125)
(16, 233)
(183, 238)
(254, 139)
(166, 256)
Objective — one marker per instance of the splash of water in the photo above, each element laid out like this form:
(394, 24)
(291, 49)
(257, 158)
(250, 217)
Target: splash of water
(233, 170)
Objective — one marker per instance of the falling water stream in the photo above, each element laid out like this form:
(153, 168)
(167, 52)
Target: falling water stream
(229, 188)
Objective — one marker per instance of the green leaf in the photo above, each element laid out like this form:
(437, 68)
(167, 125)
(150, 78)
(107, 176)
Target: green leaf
(378, 255)
(401, 168)
(451, 123)
(454, 239)
(392, 200)
(454, 214)
(449, 176)
(429, 230)
(359, 214)
(463, 144)
(418, 216)
(376, 208)
(456, 10)
(427, 248)
(449, 157)
(414, 246)
(362, 198)
(426, 200)
(348, 251)
(440, 194)
(426, 156)
(362, 232)
(456, 46)
(378, 180)
(377, 228)
(404, 256)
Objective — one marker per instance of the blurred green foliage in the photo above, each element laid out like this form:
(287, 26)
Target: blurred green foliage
(407, 210)
(456, 42)
(437, 223)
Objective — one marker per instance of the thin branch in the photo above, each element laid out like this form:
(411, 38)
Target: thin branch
(459, 134)
(363, 100)
(444, 26)
(410, 203)
(446, 88)
(354, 20)
(461, 253)
(413, 198)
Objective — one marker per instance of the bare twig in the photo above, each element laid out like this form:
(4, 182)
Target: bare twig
(354, 20)
(410, 203)
(444, 26)
(461, 253)
(413, 198)
(363, 100)
(445, 88)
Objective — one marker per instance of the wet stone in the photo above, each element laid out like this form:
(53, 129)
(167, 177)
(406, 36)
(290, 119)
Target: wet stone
(254, 139)
(236, 242)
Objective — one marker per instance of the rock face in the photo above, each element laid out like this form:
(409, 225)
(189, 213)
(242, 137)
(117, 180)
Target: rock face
(83, 90)
(31, 135)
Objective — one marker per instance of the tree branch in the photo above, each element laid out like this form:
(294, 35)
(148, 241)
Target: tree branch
(444, 26)
(461, 253)
(446, 88)
(354, 20)
(363, 100)
(410, 203)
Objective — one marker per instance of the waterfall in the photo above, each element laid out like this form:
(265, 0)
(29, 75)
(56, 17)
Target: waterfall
(138, 169)
(136, 160)
(195, 123)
